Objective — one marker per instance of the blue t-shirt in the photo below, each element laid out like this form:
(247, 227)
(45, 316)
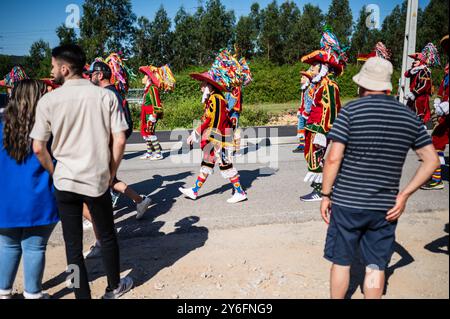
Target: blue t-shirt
(26, 198)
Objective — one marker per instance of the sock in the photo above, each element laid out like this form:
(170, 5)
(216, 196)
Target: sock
(149, 147)
(437, 176)
(237, 185)
(198, 184)
(301, 139)
(317, 187)
(157, 147)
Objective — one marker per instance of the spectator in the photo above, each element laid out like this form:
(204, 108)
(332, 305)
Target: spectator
(89, 141)
(28, 211)
(100, 74)
(371, 139)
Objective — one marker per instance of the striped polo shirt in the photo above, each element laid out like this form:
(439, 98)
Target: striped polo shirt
(378, 132)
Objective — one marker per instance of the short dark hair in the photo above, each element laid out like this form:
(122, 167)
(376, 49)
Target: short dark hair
(71, 54)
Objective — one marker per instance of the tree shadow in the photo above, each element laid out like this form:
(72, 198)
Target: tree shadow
(144, 257)
(437, 246)
(247, 179)
(358, 270)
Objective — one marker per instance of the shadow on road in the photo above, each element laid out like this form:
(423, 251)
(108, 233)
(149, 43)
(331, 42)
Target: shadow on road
(438, 245)
(144, 249)
(358, 270)
(162, 200)
(144, 257)
(247, 179)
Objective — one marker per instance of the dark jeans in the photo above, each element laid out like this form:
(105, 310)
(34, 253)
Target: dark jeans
(70, 207)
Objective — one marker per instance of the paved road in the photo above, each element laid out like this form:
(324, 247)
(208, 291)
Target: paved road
(273, 177)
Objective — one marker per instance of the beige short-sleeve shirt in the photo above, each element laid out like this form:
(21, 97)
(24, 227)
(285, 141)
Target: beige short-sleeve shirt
(81, 117)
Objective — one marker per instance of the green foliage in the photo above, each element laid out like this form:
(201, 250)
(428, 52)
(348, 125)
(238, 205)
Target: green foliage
(254, 117)
(5, 65)
(186, 40)
(38, 63)
(433, 24)
(393, 31)
(161, 38)
(363, 39)
(340, 18)
(66, 35)
(245, 36)
(106, 26)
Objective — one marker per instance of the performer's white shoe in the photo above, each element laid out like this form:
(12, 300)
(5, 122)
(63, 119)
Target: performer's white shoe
(237, 197)
(157, 157)
(146, 156)
(188, 192)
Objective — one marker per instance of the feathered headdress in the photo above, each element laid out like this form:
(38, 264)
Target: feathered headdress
(16, 74)
(121, 74)
(382, 52)
(428, 56)
(162, 77)
(331, 45)
(229, 72)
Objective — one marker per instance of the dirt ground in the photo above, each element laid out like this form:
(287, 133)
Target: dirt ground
(286, 118)
(269, 261)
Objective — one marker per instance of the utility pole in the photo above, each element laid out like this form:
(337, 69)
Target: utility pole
(409, 46)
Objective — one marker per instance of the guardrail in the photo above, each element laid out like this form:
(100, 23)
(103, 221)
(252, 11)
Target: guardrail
(135, 96)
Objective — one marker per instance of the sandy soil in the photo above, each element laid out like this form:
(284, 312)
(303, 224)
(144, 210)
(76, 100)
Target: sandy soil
(270, 261)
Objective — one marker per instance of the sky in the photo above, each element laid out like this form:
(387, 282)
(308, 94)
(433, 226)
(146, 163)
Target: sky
(26, 21)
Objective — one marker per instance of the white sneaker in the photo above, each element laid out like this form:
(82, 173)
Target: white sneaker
(157, 157)
(142, 207)
(125, 285)
(237, 197)
(40, 295)
(146, 156)
(188, 192)
(87, 225)
(93, 252)
(5, 294)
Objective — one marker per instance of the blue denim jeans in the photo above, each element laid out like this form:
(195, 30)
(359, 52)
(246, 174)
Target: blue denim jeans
(31, 243)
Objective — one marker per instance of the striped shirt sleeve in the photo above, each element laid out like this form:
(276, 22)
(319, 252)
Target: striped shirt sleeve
(341, 128)
(423, 138)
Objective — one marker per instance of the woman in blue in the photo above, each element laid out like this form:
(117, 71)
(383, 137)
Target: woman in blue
(28, 211)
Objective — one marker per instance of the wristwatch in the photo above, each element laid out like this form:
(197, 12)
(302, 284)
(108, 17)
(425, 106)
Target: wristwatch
(326, 195)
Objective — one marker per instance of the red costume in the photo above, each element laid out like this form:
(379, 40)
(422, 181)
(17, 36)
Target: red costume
(420, 87)
(441, 131)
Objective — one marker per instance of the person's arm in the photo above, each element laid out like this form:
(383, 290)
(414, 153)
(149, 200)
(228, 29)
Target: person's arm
(117, 149)
(430, 161)
(44, 157)
(331, 169)
(210, 106)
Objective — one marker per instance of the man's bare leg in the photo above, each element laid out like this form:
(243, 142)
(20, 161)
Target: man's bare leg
(339, 281)
(123, 188)
(374, 284)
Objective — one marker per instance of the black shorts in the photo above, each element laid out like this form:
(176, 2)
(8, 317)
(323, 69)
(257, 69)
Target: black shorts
(367, 229)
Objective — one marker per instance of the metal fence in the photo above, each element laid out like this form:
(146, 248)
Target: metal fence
(135, 96)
